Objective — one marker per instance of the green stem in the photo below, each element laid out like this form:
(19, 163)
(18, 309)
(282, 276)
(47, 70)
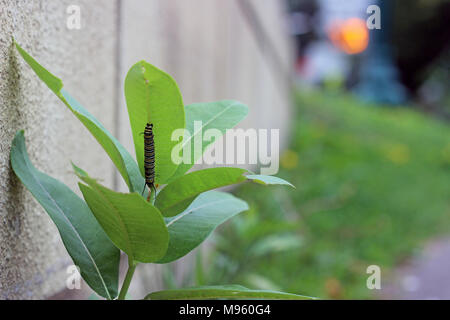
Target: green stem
(153, 194)
(126, 283)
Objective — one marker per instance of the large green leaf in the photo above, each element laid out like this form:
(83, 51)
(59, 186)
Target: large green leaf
(153, 97)
(84, 239)
(118, 154)
(191, 227)
(179, 194)
(220, 115)
(134, 225)
(222, 292)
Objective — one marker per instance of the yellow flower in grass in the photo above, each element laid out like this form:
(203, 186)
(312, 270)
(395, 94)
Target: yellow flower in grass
(397, 153)
(289, 159)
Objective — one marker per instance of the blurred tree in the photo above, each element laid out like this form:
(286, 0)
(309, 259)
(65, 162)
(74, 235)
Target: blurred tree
(420, 34)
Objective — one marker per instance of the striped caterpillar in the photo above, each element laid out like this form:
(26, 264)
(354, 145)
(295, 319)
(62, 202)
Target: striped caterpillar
(149, 159)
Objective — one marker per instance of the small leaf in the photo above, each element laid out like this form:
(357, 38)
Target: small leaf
(191, 227)
(118, 154)
(85, 241)
(153, 96)
(222, 292)
(220, 115)
(133, 225)
(179, 194)
(262, 179)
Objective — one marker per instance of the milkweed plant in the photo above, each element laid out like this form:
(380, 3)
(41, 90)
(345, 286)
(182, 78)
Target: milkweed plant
(160, 224)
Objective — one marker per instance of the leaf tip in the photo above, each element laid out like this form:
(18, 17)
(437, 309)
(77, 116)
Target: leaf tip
(19, 136)
(269, 180)
(78, 171)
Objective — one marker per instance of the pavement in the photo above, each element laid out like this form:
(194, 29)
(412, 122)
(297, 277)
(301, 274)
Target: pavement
(426, 276)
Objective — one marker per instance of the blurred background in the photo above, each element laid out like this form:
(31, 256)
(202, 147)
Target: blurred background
(359, 89)
(369, 153)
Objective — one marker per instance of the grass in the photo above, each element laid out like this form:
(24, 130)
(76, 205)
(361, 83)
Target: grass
(373, 185)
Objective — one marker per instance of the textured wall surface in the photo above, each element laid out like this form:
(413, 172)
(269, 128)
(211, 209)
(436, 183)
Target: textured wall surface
(32, 258)
(213, 49)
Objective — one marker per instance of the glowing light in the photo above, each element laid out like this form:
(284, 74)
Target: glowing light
(350, 36)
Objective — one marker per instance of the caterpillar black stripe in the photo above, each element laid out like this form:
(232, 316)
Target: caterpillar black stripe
(149, 156)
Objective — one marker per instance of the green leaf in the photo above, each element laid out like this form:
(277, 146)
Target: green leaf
(222, 292)
(118, 154)
(179, 194)
(262, 179)
(191, 227)
(133, 224)
(220, 115)
(153, 96)
(85, 241)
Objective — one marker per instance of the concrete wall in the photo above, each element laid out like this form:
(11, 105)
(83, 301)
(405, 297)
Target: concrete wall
(32, 257)
(208, 46)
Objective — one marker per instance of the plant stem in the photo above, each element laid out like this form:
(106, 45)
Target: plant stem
(153, 194)
(126, 283)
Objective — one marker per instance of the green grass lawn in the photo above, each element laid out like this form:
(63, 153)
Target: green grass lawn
(373, 185)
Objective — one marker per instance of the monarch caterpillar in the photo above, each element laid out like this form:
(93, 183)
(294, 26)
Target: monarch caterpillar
(149, 159)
